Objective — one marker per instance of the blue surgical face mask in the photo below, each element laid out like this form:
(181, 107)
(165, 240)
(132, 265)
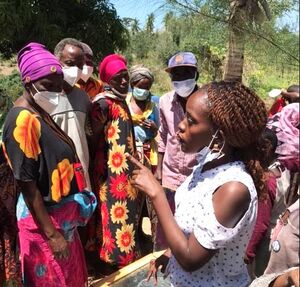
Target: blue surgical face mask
(140, 94)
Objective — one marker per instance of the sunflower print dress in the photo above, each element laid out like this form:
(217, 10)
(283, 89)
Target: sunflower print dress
(34, 152)
(120, 204)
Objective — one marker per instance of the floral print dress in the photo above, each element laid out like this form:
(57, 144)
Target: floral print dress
(35, 153)
(119, 202)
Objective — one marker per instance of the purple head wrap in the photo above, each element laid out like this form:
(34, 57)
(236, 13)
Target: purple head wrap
(286, 125)
(36, 62)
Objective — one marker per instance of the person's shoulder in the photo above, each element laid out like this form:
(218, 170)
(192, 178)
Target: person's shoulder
(167, 97)
(78, 95)
(231, 200)
(155, 99)
(76, 91)
(232, 172)
(234, 191)
(16, 111)
(102, 99)
(20, 117)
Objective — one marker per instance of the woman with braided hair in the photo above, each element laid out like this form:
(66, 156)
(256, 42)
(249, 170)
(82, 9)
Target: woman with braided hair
(216, 205)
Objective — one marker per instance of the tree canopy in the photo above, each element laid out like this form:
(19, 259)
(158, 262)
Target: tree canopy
(48, 21)
(271, 51)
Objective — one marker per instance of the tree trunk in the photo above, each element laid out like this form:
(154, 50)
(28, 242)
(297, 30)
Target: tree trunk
(235, 58)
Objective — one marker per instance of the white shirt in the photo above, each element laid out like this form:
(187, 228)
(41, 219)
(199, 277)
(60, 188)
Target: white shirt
(195, 214)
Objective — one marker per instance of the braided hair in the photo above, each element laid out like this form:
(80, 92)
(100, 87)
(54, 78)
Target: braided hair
(242, 116)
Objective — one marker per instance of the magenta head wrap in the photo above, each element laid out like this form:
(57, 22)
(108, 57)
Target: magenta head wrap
(36, 62)
(286, 126)
(110, 66)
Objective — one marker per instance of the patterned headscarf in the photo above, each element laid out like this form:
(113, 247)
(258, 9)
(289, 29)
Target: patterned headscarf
(139, 72)
(110, 66)
(36, 62)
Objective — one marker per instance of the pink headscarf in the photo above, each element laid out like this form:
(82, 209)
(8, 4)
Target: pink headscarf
(110, 66)
(36, 62)
(286, 125)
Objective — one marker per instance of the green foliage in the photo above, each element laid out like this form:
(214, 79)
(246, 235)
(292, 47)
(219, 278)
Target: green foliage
(200, 26)
(10, 90)
(48, 21)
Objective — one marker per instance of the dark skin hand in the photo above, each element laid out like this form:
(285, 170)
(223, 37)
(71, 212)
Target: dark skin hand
(160, 263)
(149, 124)
(230, 202)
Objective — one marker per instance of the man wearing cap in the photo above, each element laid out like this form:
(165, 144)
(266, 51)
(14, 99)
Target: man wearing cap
(173, 164)
(87, 83)
(119, 206)
(72, 111)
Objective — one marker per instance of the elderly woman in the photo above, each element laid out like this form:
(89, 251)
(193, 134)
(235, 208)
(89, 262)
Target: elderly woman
(144, 113)
(53, 200)
(119, 203)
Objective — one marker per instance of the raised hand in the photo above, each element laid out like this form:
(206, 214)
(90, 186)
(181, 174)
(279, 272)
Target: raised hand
(143, 179)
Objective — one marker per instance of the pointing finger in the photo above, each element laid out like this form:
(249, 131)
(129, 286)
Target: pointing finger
(134, 161)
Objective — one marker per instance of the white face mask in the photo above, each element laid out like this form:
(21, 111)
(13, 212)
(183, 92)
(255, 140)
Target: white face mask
(48, 101)
(71, 74)
(184, 88)
(87, 71)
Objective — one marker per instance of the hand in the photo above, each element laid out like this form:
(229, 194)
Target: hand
(247, 260)
(59, 246)
(161, 262)
(148, 124)
(143, 179)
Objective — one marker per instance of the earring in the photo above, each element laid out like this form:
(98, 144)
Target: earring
(215, 148)
(219, 150)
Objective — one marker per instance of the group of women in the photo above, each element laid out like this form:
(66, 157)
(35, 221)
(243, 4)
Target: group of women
(216, 206)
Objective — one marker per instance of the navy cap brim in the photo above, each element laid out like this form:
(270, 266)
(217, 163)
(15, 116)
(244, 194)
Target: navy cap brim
(168, 69)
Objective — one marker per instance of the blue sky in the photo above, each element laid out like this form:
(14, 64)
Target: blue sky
(140, 9)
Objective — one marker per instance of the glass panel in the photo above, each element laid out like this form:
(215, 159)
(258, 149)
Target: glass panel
(138, 279)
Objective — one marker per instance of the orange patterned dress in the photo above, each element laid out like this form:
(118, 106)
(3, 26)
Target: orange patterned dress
(120, 204)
